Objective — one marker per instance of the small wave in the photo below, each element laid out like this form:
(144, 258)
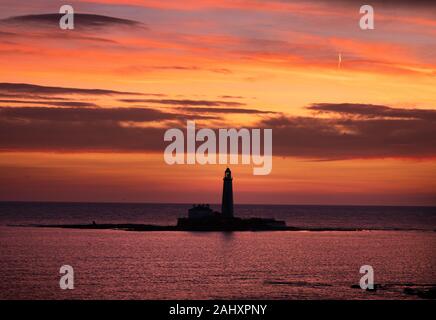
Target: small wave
(297, 283)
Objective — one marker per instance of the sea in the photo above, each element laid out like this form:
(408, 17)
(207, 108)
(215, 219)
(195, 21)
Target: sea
(397, 242)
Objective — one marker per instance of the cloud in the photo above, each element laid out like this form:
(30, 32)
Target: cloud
(4, 34)
(81, 20)
(186, 102)
(231, 97)
(191, 68)
(138, 69)
(404, 133)
(406, 3)
(84, 129)
(50, 103)
(373, 111)
(29, 96)
(69, 136)
(407, 134)
(225, 110)
(308, 7)
(24, 88)
(86, 115)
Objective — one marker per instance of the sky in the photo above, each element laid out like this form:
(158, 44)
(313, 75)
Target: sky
(353, 112)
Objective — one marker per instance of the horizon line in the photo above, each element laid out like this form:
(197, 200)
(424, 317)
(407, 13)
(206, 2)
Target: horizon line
(217, 204)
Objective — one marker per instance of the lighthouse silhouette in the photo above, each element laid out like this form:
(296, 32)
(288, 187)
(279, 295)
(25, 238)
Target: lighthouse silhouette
(227, 202)
(203, 218)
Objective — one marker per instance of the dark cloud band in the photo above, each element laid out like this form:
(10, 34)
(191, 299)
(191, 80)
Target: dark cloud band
(24, 88)
(186, 102)
(373, 111)
(81, 20)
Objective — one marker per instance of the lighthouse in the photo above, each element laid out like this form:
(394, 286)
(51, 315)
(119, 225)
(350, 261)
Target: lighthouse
(203, 218)
(227, 202)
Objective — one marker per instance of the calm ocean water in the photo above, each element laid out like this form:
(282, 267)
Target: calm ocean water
(111, 264)
(299, 216)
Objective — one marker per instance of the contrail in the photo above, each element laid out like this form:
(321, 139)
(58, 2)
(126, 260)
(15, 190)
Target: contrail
(339, 60)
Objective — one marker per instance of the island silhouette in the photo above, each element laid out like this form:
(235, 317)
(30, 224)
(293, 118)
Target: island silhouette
(202, 218)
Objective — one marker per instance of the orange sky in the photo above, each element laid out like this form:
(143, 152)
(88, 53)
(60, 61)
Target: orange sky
(361, 133)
